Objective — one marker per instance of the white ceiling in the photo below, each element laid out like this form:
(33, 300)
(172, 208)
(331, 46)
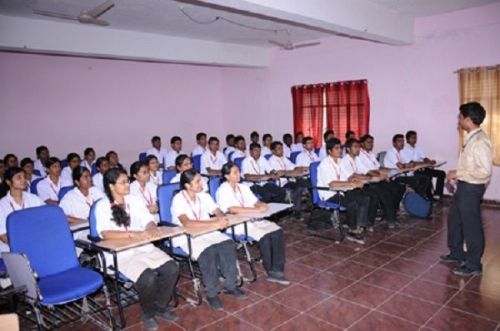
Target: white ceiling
(418, 8)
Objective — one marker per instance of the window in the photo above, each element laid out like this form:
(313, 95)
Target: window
(482, 84)
(340, 106)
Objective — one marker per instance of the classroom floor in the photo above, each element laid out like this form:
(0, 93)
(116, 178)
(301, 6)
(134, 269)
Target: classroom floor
(393, 282)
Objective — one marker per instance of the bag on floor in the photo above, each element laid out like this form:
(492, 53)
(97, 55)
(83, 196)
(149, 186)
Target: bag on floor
(417, 206)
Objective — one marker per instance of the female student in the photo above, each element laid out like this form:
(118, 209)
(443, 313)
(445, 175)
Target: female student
(113, 160)
(155, 173)
(16, 199)
(67, 172)
(77, 202)
(142, 188)
(48, 188)
(235, 198)
(154, 273)
(214, 251)
(183, 163)
(102, 166)
(88, 158)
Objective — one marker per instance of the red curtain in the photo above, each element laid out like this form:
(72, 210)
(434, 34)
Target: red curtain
(348, 107)
(308, 109)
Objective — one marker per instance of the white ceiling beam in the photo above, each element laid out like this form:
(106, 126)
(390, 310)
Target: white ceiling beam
(356, 18)
(44, 36)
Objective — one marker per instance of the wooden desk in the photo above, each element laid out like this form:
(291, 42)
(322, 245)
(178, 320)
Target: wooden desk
(233, 221)
(79, 226)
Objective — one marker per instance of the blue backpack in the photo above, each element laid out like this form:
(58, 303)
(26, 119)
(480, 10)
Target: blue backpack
(417, 206)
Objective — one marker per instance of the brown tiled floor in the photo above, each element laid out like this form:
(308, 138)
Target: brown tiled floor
(394, 282)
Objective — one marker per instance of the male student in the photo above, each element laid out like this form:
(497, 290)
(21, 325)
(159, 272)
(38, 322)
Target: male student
(254, 138)
(42, 155)
(239, 144)
(176, 145)
(395, 159)
(329, 134)
(298, 146)
(412, 152)
(307, 156)
(229, 145)
(256, 168)
(157, 150)
(267, 140)
(287, 144)
(201, 144)
(213, 159)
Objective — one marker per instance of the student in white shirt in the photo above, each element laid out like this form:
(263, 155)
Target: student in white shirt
(229, 145)
(42, 155)
(183, 163)
(267, 140)
(10, 161)
(395, 159)
(307, 156)
(88, 158)
(415, 154)
(255, 168)
(176, 145)
(155, 173)
(157, 150)
(287, 144)
(240, 146)
(102, 166)
(299, 142)
(348, 135)
(327, 135)
(67, 172)
(142, 188)
(154, 273)
(350, 197)
(284, 167)
(212, 160)
(27, 165)
(48, 188)
(377, 193)
(16, 199)
(201, 144)
(114, 160)
(214, 251)
(254, 138)
(234, 198)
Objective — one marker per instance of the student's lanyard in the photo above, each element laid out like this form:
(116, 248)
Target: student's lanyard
(238, 195)
(155, 178)
(281, 162)
(336, 167)
(311, 157)
(188, 200)
(369, 157)
(398, 156)
(149, 200)
(14, 208)
(213, 159)
(353, 164)
(469, 139)
(88, 200)
(255, 166)
(54, 188)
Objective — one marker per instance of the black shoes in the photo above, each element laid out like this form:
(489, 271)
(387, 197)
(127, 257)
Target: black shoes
(237, 293)
(450, 259)
(215, 302)
(465, 271)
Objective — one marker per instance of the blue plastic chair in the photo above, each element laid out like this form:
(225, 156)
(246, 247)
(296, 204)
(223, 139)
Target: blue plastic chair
(142, 157)
(197, 162)
(33, 185)
(316, 150)
(43, 235)
(168, 174)
(293, 156)
(64, 190)
(94, 169)
(213, 185)
(238, 161)
(230, 156)
(268, 156)
(37, 172)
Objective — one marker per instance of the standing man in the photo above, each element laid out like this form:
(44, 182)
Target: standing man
(471, 176)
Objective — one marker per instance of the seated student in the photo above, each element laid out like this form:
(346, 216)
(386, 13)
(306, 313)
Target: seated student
(155, 173)
(27, 165)
(113, 160)
(229, 145)
(329, 134)
(234, 198)
(88, 158)
(48, 188)
(240, 148)
(267, 140)
(415, 154)
(348, 135)
(254, 138)
(10, 161)
(77, 202)
(299, 142)
(395, 159)
(307, 156)
(201, 144)
(2, 171)
(183, 163)
(157, 150)
(356, 203)
(142, 188)
(287, 144)
(283, 166)
(176, 145)
(42, 156)
(154, 273)
(377, 193)
(214, 251)
(212, 160)
(367, 163)
(256, 168)
(102, 166)
(67, 172)
(16, 198)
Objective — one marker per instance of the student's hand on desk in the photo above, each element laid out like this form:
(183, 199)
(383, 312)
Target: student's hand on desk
(262, 208)
(153, 208)
(222, 222)
(357, 183)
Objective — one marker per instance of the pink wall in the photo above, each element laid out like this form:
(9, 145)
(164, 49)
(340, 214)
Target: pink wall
(70, 103)
(411, 87)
